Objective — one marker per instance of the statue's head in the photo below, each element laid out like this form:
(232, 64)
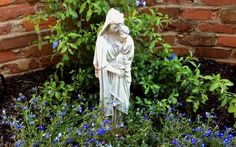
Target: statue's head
(115, 23)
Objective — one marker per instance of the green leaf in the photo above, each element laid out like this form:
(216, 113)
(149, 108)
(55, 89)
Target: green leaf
(195, 106)
(147, 102)
(64, 49)
(146, 90)
(232, 109)
(189, 98)
(74, 46)
(224, 102)
(82, 7)
(89, 13)
(213, 86)
(57, 95)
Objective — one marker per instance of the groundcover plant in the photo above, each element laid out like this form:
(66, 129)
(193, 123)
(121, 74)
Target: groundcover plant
(168, 92)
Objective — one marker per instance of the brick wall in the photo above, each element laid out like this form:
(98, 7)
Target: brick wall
(18, 54)
(206, 27)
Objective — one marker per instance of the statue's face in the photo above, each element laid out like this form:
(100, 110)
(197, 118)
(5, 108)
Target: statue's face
(114, 28)
(120, 29)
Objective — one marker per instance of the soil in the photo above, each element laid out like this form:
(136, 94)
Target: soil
(28, 83)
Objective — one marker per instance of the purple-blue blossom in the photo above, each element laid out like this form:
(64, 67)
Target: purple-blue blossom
(55, 44)
(207, 115)
(85, 126)
(41, 128)
(101, 131)
(18, 126)
(172, 57)
(56, 140)
(193, 140)
(18, 143)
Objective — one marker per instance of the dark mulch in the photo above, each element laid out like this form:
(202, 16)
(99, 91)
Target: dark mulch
(27, 84)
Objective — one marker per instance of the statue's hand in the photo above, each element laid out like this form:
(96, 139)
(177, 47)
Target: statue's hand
(121, 73)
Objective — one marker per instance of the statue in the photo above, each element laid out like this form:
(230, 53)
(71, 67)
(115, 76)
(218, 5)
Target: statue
(113, 56)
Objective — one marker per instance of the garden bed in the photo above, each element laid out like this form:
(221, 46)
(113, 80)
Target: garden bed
(27, 85)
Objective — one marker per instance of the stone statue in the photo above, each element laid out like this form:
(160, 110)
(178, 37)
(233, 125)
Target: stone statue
(112, 61)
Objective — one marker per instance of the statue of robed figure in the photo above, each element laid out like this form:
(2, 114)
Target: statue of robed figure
(113, 56)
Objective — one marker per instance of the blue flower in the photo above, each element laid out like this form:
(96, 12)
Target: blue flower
(174, 141)
(70, 140)
(186, 137)
(225, 141)
(106, 121)
(25, 108)
(194, 130)
(101, 131)
(143, 3)
(98, 143)
(18, 99)
(18, 126)
(145, 116)
(172, 57)
(34, 100)
(55, 141)
(79, 109)
(207, 114)
(92, 140)
(180, 104)
(85, 126)
(230, 135)
(22, 97)
(193, 140)
(79, 133)
(35, 144)
(55, 44)
(41, 128)
(220, 134)
(19, 143)
(203, 144)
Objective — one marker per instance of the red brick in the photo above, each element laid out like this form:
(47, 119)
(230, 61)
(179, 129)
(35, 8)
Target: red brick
(197, 39)
(5, 2)
(12, 67)
(8, 56)
(15, 11)
(34, 64)
(170, 11)
(169, 39)
(228, 16)
(219, 2)
(5, 29)
(212, 52)
(34, 51)
(231, 62)
(23, 1)
(50, 60)
(234, 54)
(198, 14)
(217, 28)
(181, 26)
(43, 25)
(151, 2)
(229, 41)
(17, 42)
(179, 50)
(178, 1)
